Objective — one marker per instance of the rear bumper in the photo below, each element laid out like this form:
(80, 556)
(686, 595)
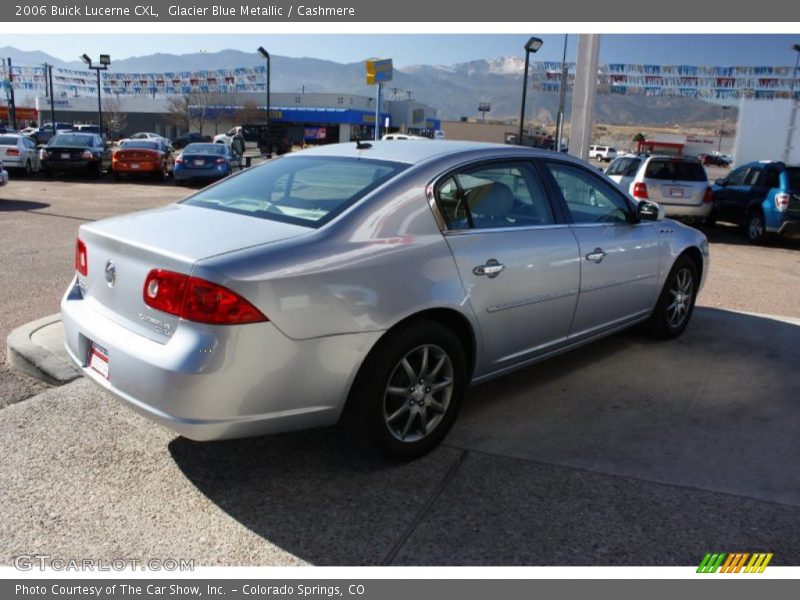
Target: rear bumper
(696, 211)
(210, 173)
(789, 228)
(144, 167)
(14, 162)
(82, 166)
(218, 382)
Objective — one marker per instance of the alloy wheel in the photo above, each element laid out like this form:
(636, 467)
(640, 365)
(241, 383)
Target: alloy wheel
(681, 291)
(418, 393)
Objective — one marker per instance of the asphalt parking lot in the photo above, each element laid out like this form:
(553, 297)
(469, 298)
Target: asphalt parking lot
(626, 452)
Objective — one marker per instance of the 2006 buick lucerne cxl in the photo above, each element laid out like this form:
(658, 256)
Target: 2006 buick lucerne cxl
(368, 284)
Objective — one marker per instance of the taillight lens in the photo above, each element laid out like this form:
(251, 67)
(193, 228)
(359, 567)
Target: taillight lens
(640, 190)
(198, 300)
(81, 258)
(782, 202)
(179, 160)
(115, 156)
(87, 155)
(709, 195)
(220, 161)
(12, 152)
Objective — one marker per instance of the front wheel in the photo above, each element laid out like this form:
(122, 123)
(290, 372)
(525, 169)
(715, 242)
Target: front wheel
(408, 391)
(676, 302)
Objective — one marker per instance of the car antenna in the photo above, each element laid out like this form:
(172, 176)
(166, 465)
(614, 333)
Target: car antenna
(362, 145)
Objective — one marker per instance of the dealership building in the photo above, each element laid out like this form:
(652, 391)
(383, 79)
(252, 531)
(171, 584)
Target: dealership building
(326, 117)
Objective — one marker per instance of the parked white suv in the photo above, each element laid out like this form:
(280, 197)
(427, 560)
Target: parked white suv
(677, 183)
(606, 153)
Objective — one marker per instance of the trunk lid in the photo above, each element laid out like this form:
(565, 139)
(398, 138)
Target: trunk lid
(121, 251)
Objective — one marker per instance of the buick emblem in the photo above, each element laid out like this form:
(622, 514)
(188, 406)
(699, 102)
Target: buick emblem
(111, 274)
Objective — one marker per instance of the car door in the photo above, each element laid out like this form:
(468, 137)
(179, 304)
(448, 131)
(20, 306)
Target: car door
(620, 257)
(518, 260)
(727, 195)
(32, 153)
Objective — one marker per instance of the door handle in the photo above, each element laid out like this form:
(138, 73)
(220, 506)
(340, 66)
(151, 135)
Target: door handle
(491, 269)
(597, 256)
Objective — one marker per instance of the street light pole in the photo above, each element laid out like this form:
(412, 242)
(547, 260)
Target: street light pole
(105, 60)
(265, 54)
(532, 46)
(721, 129)
(562, 93)
(796, 48)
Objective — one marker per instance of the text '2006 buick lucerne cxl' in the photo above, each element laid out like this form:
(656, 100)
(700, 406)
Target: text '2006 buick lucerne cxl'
(368, 284)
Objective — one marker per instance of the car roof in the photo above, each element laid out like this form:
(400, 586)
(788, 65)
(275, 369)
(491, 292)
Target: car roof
(419, 151)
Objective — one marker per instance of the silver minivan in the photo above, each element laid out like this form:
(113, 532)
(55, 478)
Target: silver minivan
(679, 184)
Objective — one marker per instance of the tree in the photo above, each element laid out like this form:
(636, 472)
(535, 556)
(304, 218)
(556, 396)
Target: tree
(249, 113)
(639, 137)
(178, 113)
(116, 119)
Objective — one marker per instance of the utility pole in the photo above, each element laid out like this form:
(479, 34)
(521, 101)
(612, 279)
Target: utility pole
(12, 107)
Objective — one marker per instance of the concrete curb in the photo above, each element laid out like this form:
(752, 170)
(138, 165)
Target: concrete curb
(37, 349)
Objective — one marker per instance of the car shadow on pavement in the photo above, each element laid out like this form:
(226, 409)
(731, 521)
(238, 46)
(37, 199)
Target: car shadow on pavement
(20, 205)
(732, 234)
(626, 451)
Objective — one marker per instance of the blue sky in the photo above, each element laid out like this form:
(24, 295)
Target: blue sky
(717, 49)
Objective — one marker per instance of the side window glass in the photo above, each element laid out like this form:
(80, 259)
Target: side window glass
(772, 179)
(751, 178)
(495, 195)
(589, 198)
(737, 177)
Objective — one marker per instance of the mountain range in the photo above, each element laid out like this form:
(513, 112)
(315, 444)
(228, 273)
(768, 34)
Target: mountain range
(455, 90)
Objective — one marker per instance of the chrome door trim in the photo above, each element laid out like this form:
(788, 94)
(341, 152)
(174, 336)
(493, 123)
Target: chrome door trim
(530, 300)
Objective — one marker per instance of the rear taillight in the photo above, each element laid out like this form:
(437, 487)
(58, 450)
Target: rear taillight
(115, 156)
(198, 300)
(87, 155)
(709, 195)
(12, 152)
(219, 161)
(640, 190)
(81, 259)
(179, 160)
(782, 202)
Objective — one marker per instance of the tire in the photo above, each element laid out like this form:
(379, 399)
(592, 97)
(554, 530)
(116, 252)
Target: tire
(28, 168)
(162, 174)
(179, 182)
(669, 319)
(599, 158)
(754, 227)
(710, 220)
(117, 176)
(98, 174)
(387, 409)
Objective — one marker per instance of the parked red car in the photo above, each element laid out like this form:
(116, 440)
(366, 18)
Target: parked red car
(148, 157)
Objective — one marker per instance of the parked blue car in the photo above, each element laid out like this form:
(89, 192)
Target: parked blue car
(762, 197)
(205, 161)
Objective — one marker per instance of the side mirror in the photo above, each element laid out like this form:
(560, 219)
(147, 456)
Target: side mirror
(650, 211)
(720, 182)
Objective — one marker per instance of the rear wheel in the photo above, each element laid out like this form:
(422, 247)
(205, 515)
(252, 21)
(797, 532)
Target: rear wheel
(28, 168)
(676, 302)
(408, 391)
(754, 227)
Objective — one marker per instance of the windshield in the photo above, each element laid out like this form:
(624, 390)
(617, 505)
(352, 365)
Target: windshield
(205, 149)
(71, 139)
(626, 167)
(308, 190)
(793, 178)
(675, 170)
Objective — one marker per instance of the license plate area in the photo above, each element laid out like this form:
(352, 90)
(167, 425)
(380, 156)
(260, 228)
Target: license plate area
(65, 155)
(676, 192)
(98, 359)
(199, 163)
(134, 165)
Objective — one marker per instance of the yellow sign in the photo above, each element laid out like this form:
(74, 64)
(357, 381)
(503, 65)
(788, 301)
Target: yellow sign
(379, 70)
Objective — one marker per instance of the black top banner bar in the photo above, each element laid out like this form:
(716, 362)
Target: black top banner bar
(468, 11)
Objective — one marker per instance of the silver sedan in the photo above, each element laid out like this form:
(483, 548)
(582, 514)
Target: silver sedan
(368, 284)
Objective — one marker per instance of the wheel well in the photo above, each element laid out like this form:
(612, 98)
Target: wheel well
(454, 321)
(697, 257)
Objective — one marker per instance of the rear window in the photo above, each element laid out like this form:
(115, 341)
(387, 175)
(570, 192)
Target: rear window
(141, 144)
(626, 167)
(675, 170)
(793, 178)
(8, 140)
(68, 139)
(308, 190)
(205, 149)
